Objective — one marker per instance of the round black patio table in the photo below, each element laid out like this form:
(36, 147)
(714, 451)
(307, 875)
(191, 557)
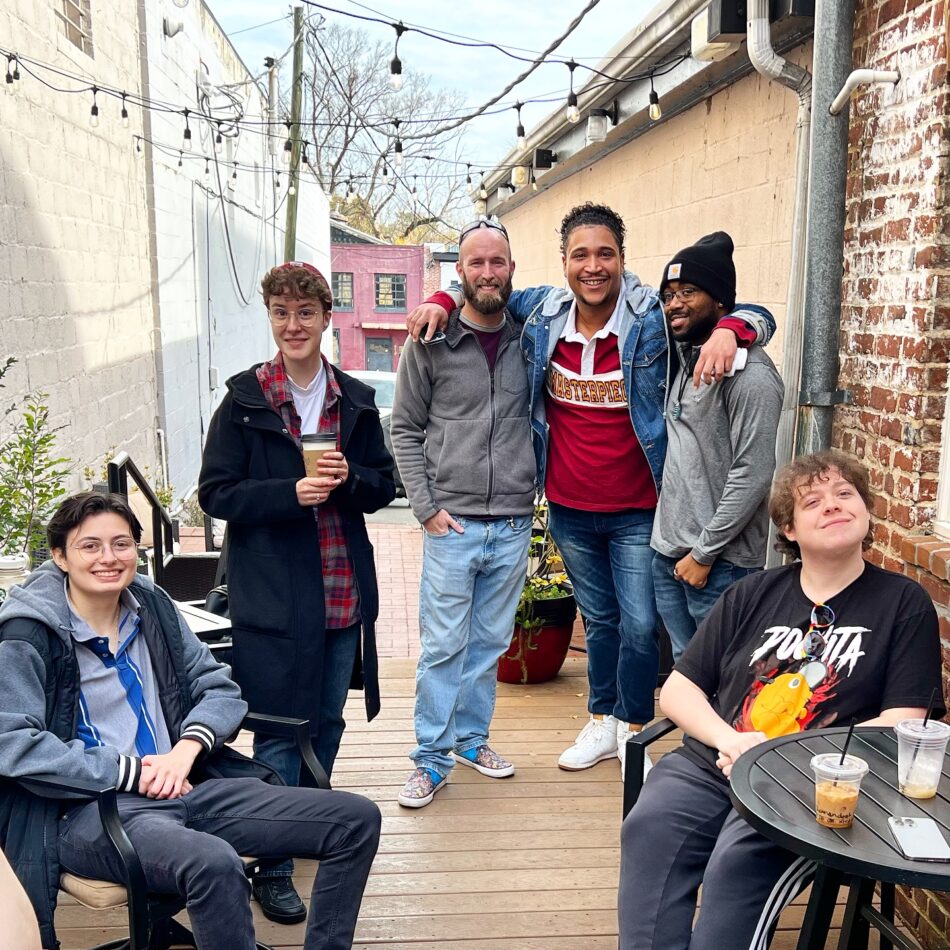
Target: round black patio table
(773, 788)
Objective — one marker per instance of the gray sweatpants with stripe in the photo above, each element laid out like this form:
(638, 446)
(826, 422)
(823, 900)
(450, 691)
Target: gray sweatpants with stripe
(683, 833)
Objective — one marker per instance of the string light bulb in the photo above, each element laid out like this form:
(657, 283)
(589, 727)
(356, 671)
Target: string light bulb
(94, 111)
(656, 113)
(385, 170)
(207, 166)
(397, 149)
(125, 113)
(232, 181)
(288, 146)
(291, 187)
(482, 190)
(13, 71)
(522, 140)
(572, 113)
(277, 180)
(395, 64)
(415, 189)
(218, 140)
(180, 154)
(468, 174)
(138, 147)
(186, 135)
(534, 182)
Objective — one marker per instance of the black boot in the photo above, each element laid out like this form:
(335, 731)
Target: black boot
(279, 900)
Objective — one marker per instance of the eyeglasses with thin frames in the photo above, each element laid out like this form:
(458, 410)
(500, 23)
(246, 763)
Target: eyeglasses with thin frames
(305, 316)
(814, 643)
(684, 294)
(489, 223)
(122, 548)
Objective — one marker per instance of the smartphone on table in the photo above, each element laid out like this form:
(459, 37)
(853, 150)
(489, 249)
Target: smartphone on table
(919, 839)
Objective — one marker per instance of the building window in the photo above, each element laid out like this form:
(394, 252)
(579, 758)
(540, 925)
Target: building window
(343, 291)
(76, 17)
(390, 291)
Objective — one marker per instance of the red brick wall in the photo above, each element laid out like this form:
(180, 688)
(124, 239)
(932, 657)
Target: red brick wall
(895, 327)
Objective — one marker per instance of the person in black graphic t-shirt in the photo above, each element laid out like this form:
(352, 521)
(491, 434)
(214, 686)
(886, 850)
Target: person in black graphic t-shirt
(818, 642)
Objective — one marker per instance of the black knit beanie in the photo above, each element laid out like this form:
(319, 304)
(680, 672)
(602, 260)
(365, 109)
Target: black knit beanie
(708, 265)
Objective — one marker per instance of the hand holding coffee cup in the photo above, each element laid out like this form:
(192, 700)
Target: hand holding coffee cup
(314, 491)
(333, 465)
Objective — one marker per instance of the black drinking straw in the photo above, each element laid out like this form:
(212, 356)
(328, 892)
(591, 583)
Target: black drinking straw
(847, 741)
(930, 712)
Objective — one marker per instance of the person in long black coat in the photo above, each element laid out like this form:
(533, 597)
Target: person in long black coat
(302, 588)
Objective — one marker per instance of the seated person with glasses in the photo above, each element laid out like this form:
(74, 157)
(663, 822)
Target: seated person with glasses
(102, 681)
(819, 642)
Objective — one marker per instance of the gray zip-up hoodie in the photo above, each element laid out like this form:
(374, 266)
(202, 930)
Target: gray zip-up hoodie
(461, 432)
(27, 747)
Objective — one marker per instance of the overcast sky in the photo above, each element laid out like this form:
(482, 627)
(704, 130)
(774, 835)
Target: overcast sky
(480, 73)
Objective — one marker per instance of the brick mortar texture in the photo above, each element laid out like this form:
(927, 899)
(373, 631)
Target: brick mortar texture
(895, 320)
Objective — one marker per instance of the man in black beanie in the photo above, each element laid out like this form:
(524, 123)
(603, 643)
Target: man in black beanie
(711, 525)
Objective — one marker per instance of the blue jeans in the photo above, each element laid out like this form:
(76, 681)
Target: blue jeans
(608, 558)
(468, 594)
(682, 607)
(280, 752)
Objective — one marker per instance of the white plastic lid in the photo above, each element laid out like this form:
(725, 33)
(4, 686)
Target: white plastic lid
(829, 765)
(935, 732)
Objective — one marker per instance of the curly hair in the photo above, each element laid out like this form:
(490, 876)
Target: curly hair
(77, 508)
(297, 282)
(592, 215)
(800, 474)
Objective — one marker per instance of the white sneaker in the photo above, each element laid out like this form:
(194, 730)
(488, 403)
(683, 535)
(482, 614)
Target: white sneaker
(623, 734)
(595, 742)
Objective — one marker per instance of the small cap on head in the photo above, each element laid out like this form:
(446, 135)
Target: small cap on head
(297, 279)
(708, 265)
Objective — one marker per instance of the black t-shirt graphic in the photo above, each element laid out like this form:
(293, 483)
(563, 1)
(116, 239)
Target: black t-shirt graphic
(881, 652)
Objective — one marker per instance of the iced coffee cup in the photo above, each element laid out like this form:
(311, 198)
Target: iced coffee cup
(837, 786)
(314, 448)
(921, 751)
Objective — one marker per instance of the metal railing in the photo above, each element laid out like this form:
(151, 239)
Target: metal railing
(119, 470)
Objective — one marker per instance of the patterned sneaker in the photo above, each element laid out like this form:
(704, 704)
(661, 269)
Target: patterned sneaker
(623, 734)
(420, 789)
(485, 760)
(595, 742)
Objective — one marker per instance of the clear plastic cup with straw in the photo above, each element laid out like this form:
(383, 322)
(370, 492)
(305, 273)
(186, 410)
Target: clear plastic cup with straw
(921, 752)
(837, 787)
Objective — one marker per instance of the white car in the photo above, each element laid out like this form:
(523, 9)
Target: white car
(385, 386)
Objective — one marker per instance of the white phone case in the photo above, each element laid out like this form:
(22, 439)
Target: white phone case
(919, 839)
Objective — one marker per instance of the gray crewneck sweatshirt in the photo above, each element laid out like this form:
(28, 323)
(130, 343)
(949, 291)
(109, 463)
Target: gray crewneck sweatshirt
(719, 464)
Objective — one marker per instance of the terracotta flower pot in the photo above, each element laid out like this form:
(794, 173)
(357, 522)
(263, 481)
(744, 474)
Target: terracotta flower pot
(537, 655)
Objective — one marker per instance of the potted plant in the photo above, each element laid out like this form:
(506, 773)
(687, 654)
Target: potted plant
(544, 620)
(32, 480)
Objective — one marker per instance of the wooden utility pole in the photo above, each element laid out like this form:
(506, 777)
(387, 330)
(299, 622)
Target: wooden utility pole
(296, 103)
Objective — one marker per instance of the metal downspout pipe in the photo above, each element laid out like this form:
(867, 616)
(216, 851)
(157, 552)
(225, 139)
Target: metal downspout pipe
(767, 62)
(834, 36)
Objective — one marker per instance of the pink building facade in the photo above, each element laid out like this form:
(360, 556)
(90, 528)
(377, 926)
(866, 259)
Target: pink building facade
(374, 286)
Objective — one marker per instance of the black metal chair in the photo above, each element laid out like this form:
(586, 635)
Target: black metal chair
(151, 916)
(635, 759)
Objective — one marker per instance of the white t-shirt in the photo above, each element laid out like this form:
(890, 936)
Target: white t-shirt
(309, 401)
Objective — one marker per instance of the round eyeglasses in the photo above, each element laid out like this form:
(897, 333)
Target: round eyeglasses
(305, 316)
(122, 548)
(814, 642)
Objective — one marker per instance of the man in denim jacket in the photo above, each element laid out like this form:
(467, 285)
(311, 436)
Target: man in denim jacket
(599, 364)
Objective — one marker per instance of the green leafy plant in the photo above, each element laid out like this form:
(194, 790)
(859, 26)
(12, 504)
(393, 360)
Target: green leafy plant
(32, 476)
(546, 578)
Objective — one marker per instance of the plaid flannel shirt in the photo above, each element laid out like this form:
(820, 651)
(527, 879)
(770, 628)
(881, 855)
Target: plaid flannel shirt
(339, 583)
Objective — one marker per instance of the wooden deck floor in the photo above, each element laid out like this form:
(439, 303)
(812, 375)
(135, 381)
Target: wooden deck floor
(526, 863)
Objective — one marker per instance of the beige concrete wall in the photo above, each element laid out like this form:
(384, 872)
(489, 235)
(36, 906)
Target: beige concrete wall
(726, 164)
(75, 308)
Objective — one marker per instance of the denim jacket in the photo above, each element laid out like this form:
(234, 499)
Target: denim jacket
(645, 358)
